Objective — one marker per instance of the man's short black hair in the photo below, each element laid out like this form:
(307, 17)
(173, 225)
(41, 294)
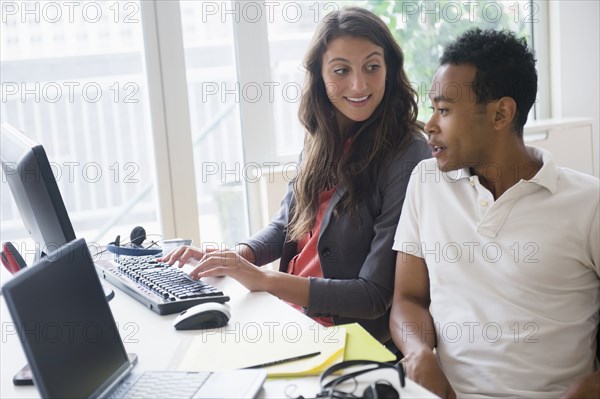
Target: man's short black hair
(505, 68)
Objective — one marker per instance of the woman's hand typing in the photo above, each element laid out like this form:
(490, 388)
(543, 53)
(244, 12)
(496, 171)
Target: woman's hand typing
(232, 264)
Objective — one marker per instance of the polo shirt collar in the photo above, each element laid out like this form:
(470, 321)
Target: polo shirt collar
(546, 177)
(458, 174)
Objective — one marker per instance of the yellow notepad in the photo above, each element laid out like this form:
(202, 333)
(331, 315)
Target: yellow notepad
(360, 345)
(330, 341)
(236, 347)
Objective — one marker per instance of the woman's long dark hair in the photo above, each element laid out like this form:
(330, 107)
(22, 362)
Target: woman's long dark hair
(375, 141)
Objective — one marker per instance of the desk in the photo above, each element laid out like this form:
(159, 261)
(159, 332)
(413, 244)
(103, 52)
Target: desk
(156, 342)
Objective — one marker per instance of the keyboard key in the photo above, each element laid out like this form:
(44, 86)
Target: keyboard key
(166, 281)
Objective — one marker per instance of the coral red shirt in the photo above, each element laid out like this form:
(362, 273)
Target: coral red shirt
(307, 263)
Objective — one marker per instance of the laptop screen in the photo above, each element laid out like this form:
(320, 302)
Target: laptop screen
(65, 325)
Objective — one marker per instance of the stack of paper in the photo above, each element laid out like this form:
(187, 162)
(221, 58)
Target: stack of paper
(359, 345)
(259, 345)
(276, 347)
(332, 342)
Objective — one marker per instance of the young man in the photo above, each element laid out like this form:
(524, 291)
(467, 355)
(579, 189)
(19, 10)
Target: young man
(498, 248)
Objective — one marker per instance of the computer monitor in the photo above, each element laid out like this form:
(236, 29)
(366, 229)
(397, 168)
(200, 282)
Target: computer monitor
(34, 189)
(31, 180)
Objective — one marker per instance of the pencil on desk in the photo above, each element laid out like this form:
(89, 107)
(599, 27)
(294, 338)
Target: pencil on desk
(290, 359)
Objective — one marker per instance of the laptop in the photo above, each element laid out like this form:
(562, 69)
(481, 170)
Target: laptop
(72, 342)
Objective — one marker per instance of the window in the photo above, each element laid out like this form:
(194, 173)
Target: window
(290, 30)
(75, 84)
(423, 28)
(214, 98)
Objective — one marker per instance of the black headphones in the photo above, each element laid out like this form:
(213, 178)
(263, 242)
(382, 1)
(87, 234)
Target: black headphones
(378, 390)
(134, 248)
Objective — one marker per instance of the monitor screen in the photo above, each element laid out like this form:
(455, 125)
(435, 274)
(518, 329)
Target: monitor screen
(31, 180)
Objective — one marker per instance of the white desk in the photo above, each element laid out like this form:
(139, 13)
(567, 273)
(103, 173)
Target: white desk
(155, 341)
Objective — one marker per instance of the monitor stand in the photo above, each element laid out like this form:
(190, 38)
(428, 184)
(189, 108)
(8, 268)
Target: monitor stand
(108, 292)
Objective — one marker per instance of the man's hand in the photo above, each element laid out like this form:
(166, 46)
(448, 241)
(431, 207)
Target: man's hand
(423, 368)
(586, 387)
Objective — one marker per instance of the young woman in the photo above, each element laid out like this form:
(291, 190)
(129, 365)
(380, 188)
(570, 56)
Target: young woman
(334, 231)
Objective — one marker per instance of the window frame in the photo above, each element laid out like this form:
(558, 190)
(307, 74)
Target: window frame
(170, 119)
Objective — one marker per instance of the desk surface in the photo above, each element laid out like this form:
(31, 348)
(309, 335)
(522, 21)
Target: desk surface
(155, 341)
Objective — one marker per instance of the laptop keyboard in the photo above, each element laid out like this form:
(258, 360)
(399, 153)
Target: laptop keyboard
(163, 288)
(162, 384)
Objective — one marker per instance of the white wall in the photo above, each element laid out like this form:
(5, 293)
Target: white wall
(575, 62)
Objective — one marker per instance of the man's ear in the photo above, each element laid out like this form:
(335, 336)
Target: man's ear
(505, 110)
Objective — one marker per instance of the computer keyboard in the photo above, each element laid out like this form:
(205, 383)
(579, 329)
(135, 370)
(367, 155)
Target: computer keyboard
(164, 289)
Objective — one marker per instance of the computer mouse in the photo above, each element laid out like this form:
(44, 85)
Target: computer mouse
(202, 316)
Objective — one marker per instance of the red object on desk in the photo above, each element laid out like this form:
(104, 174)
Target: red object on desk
(11, 258)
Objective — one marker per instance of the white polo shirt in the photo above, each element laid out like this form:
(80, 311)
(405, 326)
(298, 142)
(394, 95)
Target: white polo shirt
(514, 282)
